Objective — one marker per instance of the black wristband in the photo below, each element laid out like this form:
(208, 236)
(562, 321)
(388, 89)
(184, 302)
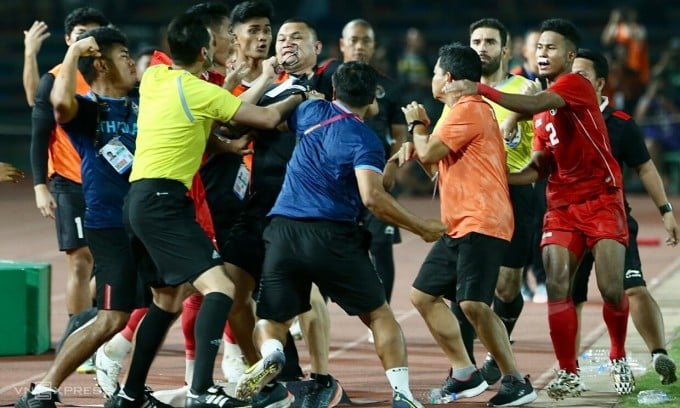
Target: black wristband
(411, 125)
(666, 208)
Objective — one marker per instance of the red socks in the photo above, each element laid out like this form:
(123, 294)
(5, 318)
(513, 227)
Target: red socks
(563, 329)
(129, 331)
(616, 319)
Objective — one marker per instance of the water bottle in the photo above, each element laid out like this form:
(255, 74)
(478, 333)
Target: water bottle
(638, 367)
(651, 397)
(438, 396)
(594, 362)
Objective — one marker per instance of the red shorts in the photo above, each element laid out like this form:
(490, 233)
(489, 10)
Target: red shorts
(579, 226)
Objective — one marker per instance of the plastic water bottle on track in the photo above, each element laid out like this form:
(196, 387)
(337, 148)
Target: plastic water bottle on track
(438, 396)
(652, 397)
(594, 362)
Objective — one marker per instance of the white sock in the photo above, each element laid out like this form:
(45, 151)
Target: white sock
(231, 350)
(270, 346)
(188, 371)
(398, 378)
(39, 389)
(118, 347)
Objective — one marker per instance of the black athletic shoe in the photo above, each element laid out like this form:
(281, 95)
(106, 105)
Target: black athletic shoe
(42, 400)
(513, 393)
(468, 388)
(490, 370)
(275, 396)
(120, 400)
(214, 397)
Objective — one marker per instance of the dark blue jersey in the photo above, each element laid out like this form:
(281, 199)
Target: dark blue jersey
(99, 132)
(320, 182)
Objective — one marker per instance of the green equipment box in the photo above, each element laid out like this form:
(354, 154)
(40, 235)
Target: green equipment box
(24, 308)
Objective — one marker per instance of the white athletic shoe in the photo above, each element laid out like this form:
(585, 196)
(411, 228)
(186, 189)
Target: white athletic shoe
(175, 398)
(107, 372)
(233, 365)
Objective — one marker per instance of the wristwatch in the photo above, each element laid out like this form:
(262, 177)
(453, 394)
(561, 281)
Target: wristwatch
(666, 208)
(413, 124)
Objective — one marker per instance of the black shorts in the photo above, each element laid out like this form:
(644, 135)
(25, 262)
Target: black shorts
(332, 255)
(70, 213)
(244, 246)
(162, 219)
(632, 276)
(119, 273)
(382, 233)
(519, 251)
(463, 268)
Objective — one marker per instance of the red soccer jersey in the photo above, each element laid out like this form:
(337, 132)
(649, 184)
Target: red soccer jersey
(576, 141)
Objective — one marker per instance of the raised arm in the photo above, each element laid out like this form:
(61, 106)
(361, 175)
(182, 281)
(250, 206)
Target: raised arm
(526, 104)
(63, 94)
(42, 124)
(33, 40)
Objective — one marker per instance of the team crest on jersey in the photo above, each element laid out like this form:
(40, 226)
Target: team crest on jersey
(553, 112)
(539, 123)
(135, 108)
(379, 92)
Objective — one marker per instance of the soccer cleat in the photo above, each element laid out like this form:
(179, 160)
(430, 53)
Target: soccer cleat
(399, 400)
(665, 367)
(513, 393)
(214, 397)
(41, 400)
(565, 384)
(321, 396)
(107, 372)
(469, 388)
(274, 396)
(490, 371)
(259, 374)
(624, 381)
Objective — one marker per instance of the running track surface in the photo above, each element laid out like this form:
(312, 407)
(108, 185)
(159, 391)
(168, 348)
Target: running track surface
(26, 236)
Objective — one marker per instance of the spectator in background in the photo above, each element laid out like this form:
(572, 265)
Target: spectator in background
(529, 68)
(630, 56)
(413, 75)
(658, 109)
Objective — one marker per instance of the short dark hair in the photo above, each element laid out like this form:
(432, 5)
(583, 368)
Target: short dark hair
(461, 61)
(599, 61)
(82, 16)
(212, 14)
(491, 23)
(355, 83)
(297, 20)
(187, 34)
(250, 9)
(564, 27)
(106, 37)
